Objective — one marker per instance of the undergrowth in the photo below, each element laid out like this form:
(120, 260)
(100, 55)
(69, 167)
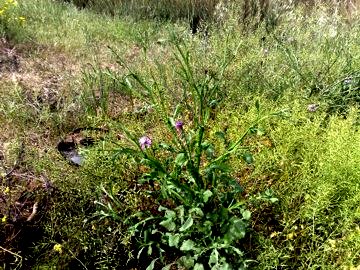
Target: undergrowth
(181, 170)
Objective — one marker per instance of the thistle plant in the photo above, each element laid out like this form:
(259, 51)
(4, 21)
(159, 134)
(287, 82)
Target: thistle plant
(202, 216)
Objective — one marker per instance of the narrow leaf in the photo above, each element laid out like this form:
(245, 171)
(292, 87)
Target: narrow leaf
(257, 105)
(139, 253)
(167, 267)
(152, 264)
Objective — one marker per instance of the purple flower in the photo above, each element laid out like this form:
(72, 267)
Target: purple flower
(313, 107)
(179, 125)
(145, 142)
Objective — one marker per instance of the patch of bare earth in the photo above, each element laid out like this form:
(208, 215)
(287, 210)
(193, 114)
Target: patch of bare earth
(44, 76)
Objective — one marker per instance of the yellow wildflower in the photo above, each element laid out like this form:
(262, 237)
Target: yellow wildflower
(291, 236)
(58, 248)
(21, 19)
(332, 243)
(7, 190)
(4, 218)
(274, 234)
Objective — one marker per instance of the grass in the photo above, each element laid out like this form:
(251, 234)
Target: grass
(68, 78)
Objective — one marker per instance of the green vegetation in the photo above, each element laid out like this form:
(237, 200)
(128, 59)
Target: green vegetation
(129, 143)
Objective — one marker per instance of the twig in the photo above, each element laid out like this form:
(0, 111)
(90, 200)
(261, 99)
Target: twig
(34, 211)
(83, 265)
(14, 254)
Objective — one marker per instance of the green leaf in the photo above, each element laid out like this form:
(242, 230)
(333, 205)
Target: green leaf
(199, 266)
(260, 132)
(169, 214)
(171, 121)
(210, 152)
(188, 245)
(166, 147)
(208, 225)
(167, 267)
(214, 257)
(246, 214)
(205, 145)
(248, 158)
(237, 251)
(225, 266)
(139, 253)
(186, 261)
(168, 224)
(152, 264)
(177, 111)
(198, 212)
(213, 103)
(180, 159)
(206, 195)
(174, 239)
(235, 184)
(188, 223)
(237, 230)
(181, 212)
(257, 105)
(220, 135)
(162, 208)
(149, 252)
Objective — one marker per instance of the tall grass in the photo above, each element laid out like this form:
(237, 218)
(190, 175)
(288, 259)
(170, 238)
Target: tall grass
(173, 10)
(212, 10)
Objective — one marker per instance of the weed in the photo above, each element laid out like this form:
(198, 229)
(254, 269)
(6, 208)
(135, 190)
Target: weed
(201, 214)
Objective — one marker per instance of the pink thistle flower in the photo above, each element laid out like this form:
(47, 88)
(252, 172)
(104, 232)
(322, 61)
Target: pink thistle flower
(145, 142)
(179, 125)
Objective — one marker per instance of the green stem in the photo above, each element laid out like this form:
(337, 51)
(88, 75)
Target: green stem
(234, 147)
(198, 156)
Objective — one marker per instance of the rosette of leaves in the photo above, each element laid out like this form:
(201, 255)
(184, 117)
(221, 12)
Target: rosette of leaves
(201, 236)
